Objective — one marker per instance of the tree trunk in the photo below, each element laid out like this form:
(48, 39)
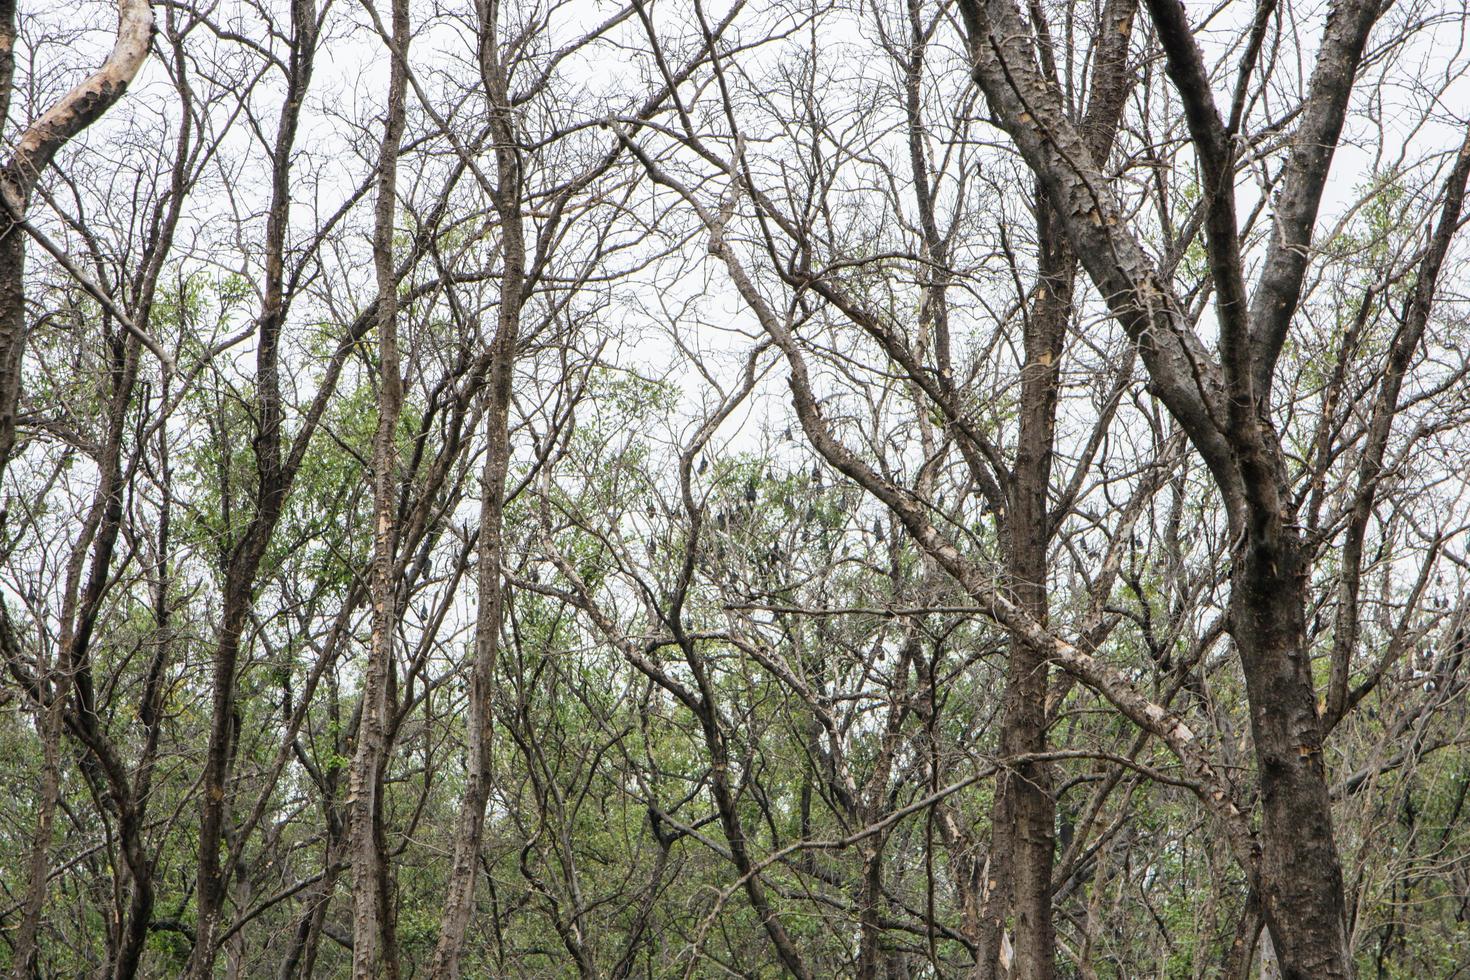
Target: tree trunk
(48, 727)
(1301, 880)
(870, 951)
(75, 111)
(243, 563)
(1023, 817)
(1024, 814)
(469, 829)
(373, 952)
(470, 825)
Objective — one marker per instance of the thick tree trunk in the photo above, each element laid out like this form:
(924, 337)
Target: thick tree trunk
(1301, 880)
(1023, 841)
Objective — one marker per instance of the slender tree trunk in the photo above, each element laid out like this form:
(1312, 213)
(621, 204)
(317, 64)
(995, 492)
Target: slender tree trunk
(134, 933)
(373, 952)
(13, 332)
(1024, 813)
(469, 829)
(300, 957)
(871, 959)
(219, 751)
(243, 562)
(142, 893)
(75, 683)
(48, 727)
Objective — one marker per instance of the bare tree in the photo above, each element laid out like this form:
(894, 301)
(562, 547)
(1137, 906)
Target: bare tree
(1223, 401)
(879, 490)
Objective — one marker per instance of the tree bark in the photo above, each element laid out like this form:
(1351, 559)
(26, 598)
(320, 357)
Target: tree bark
(1221, 406)
(33, 152)
(470, 824)
(373, 946)
(1301, 880)
(273, 482)
(1023, 839)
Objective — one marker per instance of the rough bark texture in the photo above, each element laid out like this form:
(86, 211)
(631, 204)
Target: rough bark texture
(1023, 838)
(1301, 879)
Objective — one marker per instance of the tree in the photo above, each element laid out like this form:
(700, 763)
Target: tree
(893, 490)
(1223, 402)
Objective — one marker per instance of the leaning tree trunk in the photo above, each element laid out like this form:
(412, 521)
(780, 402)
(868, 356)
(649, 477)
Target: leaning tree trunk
(34, 151)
